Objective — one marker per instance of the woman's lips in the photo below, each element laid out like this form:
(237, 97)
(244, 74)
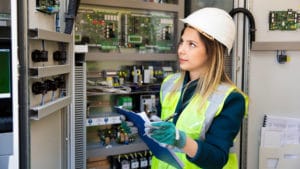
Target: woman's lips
(181, 60)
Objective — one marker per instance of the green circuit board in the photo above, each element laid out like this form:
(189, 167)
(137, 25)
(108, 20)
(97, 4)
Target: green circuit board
(284, 20)
(113, 29)
(97, 28)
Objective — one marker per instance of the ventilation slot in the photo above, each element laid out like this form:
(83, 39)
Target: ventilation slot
(80, 115)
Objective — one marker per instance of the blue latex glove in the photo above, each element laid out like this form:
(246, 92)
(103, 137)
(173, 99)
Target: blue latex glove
(166, 132)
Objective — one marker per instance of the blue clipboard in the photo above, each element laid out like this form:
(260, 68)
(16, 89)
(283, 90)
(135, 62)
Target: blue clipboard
(163, 153)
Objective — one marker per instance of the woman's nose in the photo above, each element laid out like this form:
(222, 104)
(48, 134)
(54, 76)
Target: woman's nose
(181, 49)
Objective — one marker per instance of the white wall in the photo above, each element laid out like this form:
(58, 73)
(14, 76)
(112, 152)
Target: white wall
(273, 88)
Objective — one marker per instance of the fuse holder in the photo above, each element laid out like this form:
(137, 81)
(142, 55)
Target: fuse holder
(60, 56)
(39, 88)
(39, 56)
(51, 85)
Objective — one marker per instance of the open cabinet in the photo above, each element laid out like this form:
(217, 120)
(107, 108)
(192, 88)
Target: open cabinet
(131, 48)
(46, 83)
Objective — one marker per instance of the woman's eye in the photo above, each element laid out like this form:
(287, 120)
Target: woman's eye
(192, 45)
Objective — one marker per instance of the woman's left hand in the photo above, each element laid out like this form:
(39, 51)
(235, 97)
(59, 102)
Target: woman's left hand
(166, 132)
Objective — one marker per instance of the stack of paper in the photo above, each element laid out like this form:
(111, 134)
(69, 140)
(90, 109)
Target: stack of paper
(279, 131)
(280, 143)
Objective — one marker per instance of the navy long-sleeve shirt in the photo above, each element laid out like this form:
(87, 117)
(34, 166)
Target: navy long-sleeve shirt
(213, 152)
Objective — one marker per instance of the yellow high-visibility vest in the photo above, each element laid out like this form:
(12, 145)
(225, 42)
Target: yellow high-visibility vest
(193, 120)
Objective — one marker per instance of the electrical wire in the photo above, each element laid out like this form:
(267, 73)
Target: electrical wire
(251, 21)
(103, 86)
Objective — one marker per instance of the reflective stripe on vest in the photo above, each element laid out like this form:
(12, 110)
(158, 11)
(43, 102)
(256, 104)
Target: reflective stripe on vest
(215, 100)
(168, 84)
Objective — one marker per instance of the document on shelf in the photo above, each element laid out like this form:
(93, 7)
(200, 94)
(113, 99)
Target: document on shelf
(278, 131)
(163, 153)
(280, 142)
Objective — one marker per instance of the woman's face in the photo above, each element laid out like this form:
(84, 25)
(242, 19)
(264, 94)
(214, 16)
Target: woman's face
(192, 53)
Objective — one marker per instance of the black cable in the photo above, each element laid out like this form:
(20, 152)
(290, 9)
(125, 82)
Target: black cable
(70, 17)
(251, 21)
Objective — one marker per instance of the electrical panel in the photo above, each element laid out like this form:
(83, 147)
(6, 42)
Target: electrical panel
(131, 48)
(122, 30)
(49, 69)
(48, 77)
(284, 20)
(141, 160)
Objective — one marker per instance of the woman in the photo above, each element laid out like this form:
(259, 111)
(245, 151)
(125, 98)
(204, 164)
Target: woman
(207, 108)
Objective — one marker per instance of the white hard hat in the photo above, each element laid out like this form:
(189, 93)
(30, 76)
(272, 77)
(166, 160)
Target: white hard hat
(215, 23)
